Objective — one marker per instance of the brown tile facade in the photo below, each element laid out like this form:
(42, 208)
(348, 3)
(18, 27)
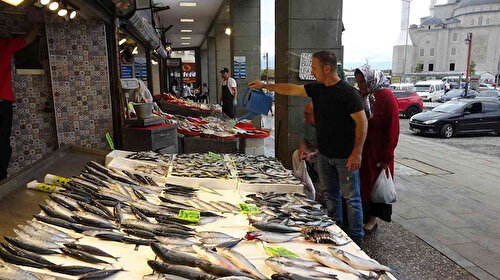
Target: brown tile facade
(80, 81)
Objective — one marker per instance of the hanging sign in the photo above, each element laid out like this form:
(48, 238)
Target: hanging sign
(305, 67)
(240, 68)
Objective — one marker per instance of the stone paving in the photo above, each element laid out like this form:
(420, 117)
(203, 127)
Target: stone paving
(456, 212)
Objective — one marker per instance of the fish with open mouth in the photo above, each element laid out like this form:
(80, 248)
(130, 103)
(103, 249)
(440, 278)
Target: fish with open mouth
(322, 235)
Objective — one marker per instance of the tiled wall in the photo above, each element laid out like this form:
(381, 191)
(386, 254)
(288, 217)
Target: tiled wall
(33, 130)
(80, 81)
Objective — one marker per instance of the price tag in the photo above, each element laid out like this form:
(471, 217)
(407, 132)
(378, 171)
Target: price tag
(280, 252)
(60, 181)
(110, 141)
(46, 188)
(215, 156)
(191, 216)
(248, 208)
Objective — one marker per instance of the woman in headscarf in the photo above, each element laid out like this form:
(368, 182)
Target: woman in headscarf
(382, 111)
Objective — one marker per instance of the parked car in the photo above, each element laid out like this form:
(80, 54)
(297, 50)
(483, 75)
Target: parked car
(430, 90)
(409, 102)
(461, 116)
(458, 93)
(483, 86)
(492, 94)
(407, 86)
(454, 81)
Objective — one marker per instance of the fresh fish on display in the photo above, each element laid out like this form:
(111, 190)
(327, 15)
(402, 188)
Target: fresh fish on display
(219, 270)
(39, 248)
(163, 277)
(93, 209)
(141, 216)
(83, 256)
(139, 233)
(150, 156)
(118, 214)
(213, 234)
(273, 227)
(175, 241)
(26, 254)
(56, 213)
(235, 278)
(36, 240)
(229, 244)
(282, 267)
(90, 219)
(332, 262)
(157, 170)
(271, 237)
(180, 270)
(13, 272)
(240, 261)
(174, 257)
(89, 249)
(50, 229)
(15, 259)
(299, 262)
(357, 262)
(45, 235)
(82, 228)
(323, 235)
(100, 274)
(291, 276)
(73, 269)
(213, 257)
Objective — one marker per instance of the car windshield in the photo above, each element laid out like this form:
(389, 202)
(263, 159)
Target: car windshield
(422, 88)
(449, 107)
(488, 94)
(455, 93)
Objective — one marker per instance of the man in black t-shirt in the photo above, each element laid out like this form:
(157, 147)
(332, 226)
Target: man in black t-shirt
(341, 127)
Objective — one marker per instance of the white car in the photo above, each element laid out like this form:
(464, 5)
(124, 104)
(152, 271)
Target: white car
(431, 90)
(407, 86)
(483, 86)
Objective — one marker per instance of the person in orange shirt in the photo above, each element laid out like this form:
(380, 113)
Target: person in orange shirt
(8, 47)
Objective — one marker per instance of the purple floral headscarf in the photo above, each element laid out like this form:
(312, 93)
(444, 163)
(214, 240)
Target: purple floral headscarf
(375, 80)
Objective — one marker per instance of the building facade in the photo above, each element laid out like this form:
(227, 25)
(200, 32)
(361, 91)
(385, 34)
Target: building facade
(438, 45)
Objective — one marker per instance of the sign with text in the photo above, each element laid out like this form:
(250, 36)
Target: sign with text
(240, 67)
(189, 72)
(190, 216)
(305, 67)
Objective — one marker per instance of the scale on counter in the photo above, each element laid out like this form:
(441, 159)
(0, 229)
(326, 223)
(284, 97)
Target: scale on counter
(129, 86)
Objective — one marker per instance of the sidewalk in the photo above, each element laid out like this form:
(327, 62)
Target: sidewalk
(450, 199)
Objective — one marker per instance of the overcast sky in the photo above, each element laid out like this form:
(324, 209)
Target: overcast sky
(372, 27)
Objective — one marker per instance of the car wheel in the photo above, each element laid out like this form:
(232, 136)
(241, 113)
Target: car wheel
(412, 110)
(447, 131)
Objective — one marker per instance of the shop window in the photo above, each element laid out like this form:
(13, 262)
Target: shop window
(487, 21)
(452, 66)
(472, 22)
(480, 21)
(432, 52)
(454, 38)
(421, 52)
(431, 67)
(453, 51)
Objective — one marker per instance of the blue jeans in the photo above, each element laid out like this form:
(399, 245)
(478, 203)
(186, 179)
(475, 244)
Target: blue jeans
(336, 180)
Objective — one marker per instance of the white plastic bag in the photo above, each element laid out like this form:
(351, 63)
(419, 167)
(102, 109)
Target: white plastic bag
(384, 190)
(302, 174)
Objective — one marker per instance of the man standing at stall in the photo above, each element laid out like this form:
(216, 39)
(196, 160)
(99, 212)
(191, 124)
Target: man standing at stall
(8, 47)
(341, 127)
(229, 93)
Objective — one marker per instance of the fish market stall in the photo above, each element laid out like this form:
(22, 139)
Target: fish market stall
(112, 222)
(178, 106)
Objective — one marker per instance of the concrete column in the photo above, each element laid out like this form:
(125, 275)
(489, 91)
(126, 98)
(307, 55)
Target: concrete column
(204, 63)
(212, 70)
(301, 27)
(245, 41)
(222, 44)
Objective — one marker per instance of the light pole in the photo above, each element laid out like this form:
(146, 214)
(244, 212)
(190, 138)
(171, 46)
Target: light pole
(468, 42)
(406, 38)
(266, 57)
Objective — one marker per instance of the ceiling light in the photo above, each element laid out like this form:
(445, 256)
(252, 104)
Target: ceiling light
(228, 31)
(62, 12)
(72, 15)
(185, 43)
(186, 38)
(122, 41)
(188, 4)
(53, 6)
(44, 2)
(154, 62)
(187, 19)
(135, 51)
(186, 30)
(13, 2)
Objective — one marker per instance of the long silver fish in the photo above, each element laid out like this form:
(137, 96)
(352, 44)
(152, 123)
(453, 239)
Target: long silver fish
(39, 225)
(48, 244)
(282, 267)
(175, 241)
(213, 257)
(357, 262)
(330, 261)
(213, 234)
(241, 262)
(271, 237)
(299, 262)
(41, 233)
(12, 272)
(163, 277)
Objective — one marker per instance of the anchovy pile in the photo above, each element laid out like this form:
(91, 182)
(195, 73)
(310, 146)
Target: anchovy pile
(258, 169)
(200, 166)
(151, 156)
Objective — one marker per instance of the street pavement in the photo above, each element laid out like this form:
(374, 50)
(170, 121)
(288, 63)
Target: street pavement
(449, 197)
